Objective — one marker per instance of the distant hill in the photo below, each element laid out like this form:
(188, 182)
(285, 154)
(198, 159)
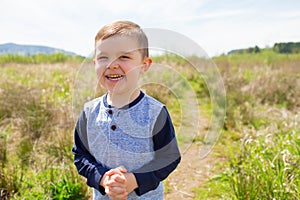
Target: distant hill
(11, 48)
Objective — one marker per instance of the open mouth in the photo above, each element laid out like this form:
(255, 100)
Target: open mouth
(114, 77)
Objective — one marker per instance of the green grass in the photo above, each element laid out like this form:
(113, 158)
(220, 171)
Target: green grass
(216, 187)
(261, 138)
(38, 58)
(36, 133)
(260, 142)
(267, 167)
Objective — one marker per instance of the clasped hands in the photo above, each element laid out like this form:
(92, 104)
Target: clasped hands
(118, 183)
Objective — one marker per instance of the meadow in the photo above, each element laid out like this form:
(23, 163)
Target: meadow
(259, 144)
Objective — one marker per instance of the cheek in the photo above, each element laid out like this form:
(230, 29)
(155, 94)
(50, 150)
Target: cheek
(99, 70)
(131, 68)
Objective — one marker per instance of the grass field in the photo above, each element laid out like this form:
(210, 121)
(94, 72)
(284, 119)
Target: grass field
(260, 138)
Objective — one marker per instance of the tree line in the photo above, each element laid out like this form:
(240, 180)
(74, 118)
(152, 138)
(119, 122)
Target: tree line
(283, 47)
(289, 47)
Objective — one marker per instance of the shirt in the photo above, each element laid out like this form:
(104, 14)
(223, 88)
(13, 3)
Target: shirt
(140, 136)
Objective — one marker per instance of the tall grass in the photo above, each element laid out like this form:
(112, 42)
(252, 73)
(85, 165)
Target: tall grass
(36, 132)
(251, 81)
(38, 58)
(261, 139)
(267, 166)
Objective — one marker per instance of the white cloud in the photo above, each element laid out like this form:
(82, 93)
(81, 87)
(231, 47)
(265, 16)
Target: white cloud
(225, 13)
(289, 15)
(218, 26)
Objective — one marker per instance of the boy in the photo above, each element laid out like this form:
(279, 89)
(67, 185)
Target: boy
(124, 141)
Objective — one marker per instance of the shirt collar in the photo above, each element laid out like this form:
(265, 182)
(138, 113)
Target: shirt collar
(131, 104)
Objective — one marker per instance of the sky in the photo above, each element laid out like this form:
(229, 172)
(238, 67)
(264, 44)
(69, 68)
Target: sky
(218, 26)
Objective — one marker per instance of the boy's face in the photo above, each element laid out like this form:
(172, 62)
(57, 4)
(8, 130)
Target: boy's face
(119, 63)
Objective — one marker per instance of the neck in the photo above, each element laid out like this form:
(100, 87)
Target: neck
(120, 100)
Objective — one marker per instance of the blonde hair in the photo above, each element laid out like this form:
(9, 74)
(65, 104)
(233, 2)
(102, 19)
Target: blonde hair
(125, 28)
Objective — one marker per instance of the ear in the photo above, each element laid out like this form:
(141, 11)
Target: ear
(146, 64)
(94, 61)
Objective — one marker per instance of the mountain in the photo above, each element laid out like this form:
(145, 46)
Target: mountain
(11, 48)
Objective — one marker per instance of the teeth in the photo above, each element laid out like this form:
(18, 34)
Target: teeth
(114, 76)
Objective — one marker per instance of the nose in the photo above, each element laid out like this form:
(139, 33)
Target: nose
(113, 65)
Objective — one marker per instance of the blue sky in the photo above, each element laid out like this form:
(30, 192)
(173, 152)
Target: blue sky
(218, 26)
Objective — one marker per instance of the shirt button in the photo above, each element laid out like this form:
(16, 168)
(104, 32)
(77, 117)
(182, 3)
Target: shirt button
(113, 127)
(110, 112)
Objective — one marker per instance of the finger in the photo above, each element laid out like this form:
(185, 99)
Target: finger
(116, 192)
(116, 182)
(112, 172)
(117, 170)
(118, 178)
(122, 169)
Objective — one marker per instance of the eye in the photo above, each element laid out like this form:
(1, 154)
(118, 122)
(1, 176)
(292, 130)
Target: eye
(124, 57)
(102, 58)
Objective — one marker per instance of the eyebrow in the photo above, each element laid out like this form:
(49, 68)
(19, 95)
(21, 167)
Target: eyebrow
(121, 52)
(127, 52)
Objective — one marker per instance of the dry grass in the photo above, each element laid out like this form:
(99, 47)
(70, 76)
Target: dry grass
(261, 133)
(36, 125)
(36, 128)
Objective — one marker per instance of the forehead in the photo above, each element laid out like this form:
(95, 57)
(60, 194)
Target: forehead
(117, 44)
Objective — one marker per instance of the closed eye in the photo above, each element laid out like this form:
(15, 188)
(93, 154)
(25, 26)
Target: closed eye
(102, 58)
(124, 57)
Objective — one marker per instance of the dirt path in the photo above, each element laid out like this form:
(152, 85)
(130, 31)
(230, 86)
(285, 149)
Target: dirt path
(192, 170)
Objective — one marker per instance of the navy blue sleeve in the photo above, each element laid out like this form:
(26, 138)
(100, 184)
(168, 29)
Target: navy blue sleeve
(167, 155)
(85, 163)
